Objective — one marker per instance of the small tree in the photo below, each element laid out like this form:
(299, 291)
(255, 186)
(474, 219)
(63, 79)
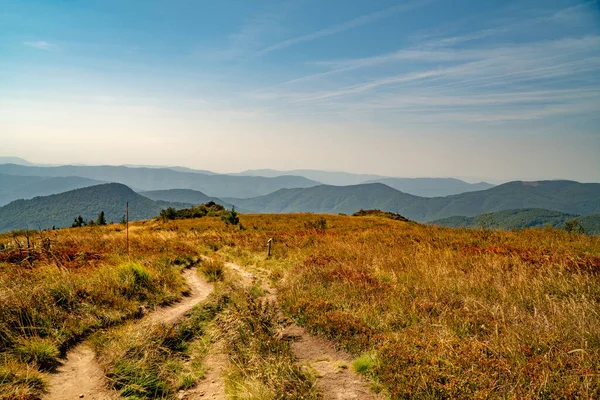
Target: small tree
(169, 213)
(231, 217)
(78, 222)
(574, 226)
(101, 220)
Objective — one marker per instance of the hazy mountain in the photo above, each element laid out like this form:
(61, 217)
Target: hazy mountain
(184, 196)
(329, 199)
(145, 179)
(326, 177)
(565, 196)
(522, 218)
(14, 160)
(424, 187)
(174, 168)
(60, 209)
(14, 187)
(432, 187)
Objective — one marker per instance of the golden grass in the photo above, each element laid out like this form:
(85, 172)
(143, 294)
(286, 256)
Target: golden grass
(444, 312)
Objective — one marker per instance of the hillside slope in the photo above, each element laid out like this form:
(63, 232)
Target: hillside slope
(522, 218)
(146, 179)
(60, 209)
(14, 187)
(329, 199)
(565, 196)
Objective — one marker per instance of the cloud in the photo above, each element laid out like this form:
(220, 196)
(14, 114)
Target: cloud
(345, 26)
(41, 45)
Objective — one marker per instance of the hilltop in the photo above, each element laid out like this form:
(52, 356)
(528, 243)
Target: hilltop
(419, 311)
(59, 210)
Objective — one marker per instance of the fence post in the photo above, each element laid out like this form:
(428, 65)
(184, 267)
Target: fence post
(127, 225)
(269, 242)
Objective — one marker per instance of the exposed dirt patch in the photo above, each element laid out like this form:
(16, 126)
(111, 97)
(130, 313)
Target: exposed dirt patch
(80, 373)
(212, 386)
(336, 379)
(80, 376)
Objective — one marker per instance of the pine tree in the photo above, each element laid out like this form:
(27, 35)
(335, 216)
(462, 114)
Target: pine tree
(101, 220)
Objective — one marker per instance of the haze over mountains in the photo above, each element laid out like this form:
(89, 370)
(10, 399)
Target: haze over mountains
(160, 187)
(14, 187)
(145, 179)
(564, 196)
(425, 187)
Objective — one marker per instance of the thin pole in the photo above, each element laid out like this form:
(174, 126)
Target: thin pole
(269, 242)
(127, 225)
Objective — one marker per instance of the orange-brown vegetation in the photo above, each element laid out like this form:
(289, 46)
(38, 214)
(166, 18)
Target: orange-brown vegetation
(440, 312)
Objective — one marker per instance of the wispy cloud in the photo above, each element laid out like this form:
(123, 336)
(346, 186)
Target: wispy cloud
(41, 45)
(345, 26)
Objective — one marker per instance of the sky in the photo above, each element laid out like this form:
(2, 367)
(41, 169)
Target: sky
(495, 90)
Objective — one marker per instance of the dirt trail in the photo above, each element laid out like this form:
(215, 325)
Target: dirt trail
(336, 380)
(212, 386)
(80, 374)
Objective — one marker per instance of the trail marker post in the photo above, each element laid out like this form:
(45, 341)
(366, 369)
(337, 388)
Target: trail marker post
(269, 242)
(127, 225)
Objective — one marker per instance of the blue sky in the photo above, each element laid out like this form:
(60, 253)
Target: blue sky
(497, 89)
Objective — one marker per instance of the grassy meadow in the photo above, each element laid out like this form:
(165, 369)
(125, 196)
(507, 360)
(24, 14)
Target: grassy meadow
(426, 312)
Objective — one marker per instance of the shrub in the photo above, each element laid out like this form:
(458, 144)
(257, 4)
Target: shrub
(42, 352)
(319, 225)
(212, 270)
(231, 217)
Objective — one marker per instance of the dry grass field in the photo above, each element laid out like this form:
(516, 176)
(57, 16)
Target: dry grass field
(425, 312)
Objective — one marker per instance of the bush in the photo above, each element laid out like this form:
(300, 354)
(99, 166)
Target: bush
(231, 217)
(42, 352)
(212, 270)
(319, 225)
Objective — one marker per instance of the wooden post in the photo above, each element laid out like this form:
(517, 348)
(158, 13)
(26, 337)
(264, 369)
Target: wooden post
(127, 225)
(269, 242)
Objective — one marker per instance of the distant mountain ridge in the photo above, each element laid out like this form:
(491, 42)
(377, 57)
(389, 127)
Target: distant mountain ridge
(147, 179)
(432, 187)
(15, 187)
(325, 177)
(60, 209)
(565, 196)
(522, 218)
(424, 187)
(185, 196)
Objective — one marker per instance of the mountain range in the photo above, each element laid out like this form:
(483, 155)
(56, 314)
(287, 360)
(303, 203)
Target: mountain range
(522, 218)
(424, 187)
(565, 196)
(568, 197)
(146, 179)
